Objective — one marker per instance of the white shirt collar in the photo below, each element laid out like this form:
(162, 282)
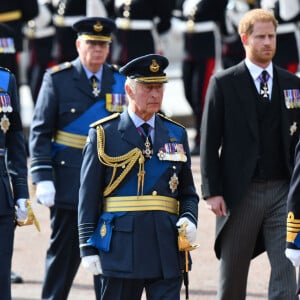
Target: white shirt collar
(255, 70)
(138, 121)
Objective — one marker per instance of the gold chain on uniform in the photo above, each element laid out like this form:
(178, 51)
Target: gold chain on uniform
(126, 162)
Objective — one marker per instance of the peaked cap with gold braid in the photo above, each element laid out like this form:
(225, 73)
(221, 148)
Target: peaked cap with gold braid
(147, 69)
(95, 29)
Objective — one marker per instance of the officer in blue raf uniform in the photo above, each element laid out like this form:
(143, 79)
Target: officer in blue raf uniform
(72, 96)
(136, 179)
(13, 175)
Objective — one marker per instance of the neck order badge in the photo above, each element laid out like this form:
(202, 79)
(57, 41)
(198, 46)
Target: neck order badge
(96, 90)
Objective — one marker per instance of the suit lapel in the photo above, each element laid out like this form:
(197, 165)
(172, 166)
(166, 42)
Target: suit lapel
(82, 82)
(129, 132)
(161, 135)
(244, 86)
(285, 127)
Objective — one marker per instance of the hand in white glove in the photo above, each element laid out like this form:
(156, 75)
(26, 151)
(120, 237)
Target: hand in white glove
(191, 230)
(22, 211)
(293, 255)
(92, 264)
(45, 192)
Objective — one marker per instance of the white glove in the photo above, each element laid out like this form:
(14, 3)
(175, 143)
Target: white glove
(45, 192)
(22, 211)
(293, 255)
(191, 230)
(92, 264)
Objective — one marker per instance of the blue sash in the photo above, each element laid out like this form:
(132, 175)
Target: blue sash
(4, 79)
(154, 169)
(101, 237)
(94, 113)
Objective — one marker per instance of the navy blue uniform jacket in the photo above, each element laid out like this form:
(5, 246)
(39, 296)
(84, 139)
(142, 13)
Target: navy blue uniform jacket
(144, 243)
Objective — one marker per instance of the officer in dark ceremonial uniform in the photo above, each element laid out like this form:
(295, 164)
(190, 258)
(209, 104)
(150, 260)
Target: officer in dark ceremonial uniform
(8, 59)
(202, 53)
(72, 96)
(136, 179)
(15, 13)
(13, 175)
(40, 33)
(288, 36)
(136, 25)
(66, 13)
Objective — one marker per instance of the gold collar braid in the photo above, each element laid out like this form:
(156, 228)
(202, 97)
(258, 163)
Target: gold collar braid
(126, 162)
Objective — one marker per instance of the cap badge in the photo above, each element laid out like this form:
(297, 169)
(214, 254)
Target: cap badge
(154, 67)
(98, 27)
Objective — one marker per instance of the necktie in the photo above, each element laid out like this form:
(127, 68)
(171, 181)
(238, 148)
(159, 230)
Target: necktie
(96, 90)
(264, 91)
(148, 142)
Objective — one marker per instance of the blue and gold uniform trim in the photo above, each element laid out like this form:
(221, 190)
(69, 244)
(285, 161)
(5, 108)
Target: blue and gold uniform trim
(70, 139)
(293, 229)
(141, 203)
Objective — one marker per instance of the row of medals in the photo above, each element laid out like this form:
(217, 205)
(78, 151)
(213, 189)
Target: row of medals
(148, 152)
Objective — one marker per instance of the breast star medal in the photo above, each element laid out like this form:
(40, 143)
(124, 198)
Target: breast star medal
(4, 123)
(173, 183)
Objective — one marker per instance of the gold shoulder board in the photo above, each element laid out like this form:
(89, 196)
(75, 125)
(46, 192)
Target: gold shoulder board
(61, 67)
(170, 120)
(103, 120)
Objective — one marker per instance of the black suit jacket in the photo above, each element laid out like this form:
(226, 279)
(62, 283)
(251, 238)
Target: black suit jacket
(230, 135)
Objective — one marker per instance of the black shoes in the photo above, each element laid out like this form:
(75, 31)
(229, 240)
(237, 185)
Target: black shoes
(15, 278)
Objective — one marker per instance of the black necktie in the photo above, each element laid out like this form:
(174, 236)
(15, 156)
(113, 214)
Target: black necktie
(146, 128)
(96, 90)
(264, 90)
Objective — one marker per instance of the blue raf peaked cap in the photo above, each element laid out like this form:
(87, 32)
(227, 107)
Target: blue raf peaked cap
(147, 69)
(95, 29)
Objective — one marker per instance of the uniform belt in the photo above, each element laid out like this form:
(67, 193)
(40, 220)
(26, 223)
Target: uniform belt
(127, 24)
(197, 27)
(2, 152)
(141, 203)
(70, 139)
(65, 21)
(38, 33)
(286, 28)
(11, 16)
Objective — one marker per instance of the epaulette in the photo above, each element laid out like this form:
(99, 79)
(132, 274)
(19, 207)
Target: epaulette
(170, 120)
(5, 69)
(115, 67)
(103, 120)
(60, 67)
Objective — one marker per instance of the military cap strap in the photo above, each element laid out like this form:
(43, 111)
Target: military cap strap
(70, 139)
(141, 203)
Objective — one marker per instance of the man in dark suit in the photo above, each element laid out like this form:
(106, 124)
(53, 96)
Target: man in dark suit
(139, 182)
(13, 175)
(249, 130)
(73, 95)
